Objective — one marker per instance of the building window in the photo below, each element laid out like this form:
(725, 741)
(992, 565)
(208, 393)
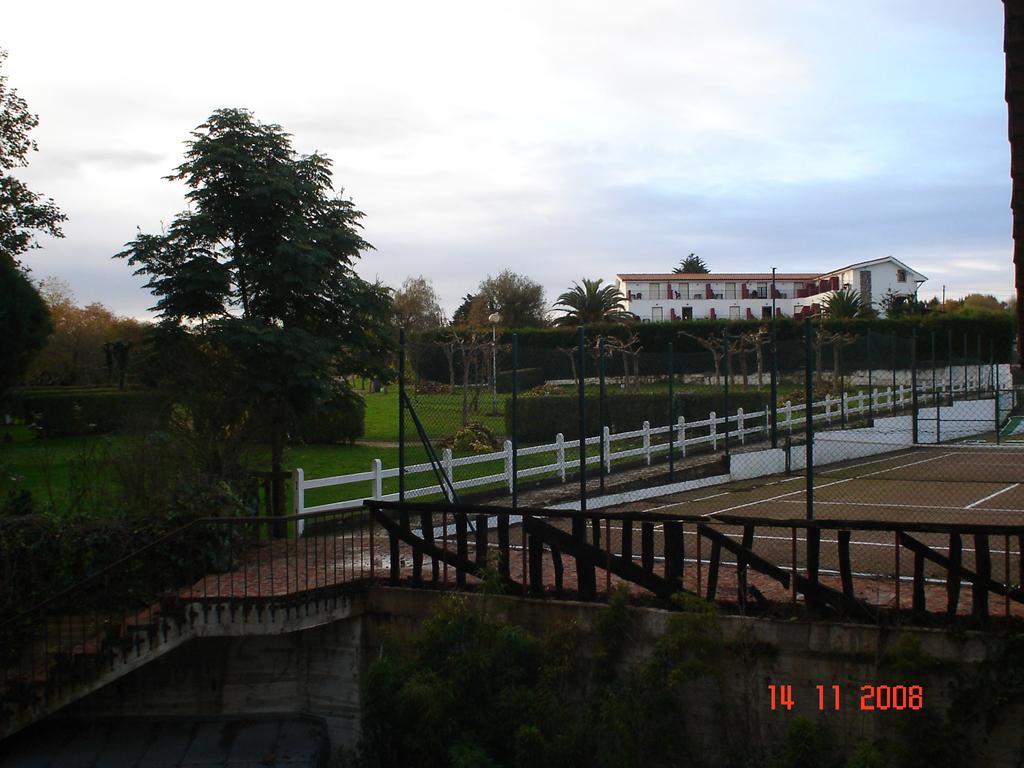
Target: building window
(657, 314)
(730, 290)
(654, 291)
(901, 275)
(734, 313)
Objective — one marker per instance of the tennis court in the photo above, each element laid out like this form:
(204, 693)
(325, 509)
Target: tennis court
(909, 486)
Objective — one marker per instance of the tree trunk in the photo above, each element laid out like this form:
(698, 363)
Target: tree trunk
(465, 387)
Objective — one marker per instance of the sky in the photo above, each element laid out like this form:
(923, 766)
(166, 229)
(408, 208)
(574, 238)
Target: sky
(561, 140)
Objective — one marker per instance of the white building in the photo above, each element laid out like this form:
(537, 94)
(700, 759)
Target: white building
(747, 296)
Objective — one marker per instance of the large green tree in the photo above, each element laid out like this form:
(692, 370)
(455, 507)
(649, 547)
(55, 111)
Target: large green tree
(256, 278)
(518, 299)
(24, 321)
(591, 303)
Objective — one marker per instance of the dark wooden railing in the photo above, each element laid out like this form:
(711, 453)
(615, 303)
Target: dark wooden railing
(666, 554)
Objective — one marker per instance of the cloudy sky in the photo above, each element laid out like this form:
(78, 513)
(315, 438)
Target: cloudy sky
(561, 139)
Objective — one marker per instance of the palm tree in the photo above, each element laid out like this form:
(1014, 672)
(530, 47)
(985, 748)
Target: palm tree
(590, 303)
(843, 304)
(691, 264)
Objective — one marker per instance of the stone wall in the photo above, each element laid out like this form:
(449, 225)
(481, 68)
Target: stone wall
(317, 672)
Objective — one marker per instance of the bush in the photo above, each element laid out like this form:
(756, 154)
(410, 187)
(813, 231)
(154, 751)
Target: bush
(540, 418)
(472, 438)
(341, 420)
(528, 379)
(58, 413)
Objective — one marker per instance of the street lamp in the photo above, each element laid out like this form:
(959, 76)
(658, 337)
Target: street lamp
(494, 318)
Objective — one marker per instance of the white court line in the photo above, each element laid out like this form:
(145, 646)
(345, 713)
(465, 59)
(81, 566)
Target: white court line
(687, 501)
(992, 496)
(883, 505)
(827, 485)
(786, 480)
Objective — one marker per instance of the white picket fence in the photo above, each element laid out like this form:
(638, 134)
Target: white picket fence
(712, 431)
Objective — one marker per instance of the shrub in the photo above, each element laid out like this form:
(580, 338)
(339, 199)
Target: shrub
(472, 438)
(56, 413)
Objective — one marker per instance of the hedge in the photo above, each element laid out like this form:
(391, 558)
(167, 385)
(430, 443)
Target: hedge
(541, 418)
(541, 347)
(56, 413)
(528, 379)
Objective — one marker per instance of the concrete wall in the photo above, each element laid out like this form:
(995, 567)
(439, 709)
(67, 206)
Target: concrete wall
(318, 671)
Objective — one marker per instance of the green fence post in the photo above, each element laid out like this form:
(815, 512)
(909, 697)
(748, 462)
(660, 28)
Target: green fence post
(978, 387)
(515, 421)
(892, 358)
(935, 391)
(871, 386)
(775, 383)
(808, 415)
(601, 408)
(913, 387)
(949, 359)
(728, 375)
(581, 341)
(401, 414)
(671, 416)
(965, 367)
(995, 381)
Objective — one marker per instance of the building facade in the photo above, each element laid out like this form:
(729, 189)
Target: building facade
(748, 296)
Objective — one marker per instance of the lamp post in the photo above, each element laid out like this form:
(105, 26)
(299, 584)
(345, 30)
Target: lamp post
(494, 318)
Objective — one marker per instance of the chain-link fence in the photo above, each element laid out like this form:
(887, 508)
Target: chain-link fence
(487, 420)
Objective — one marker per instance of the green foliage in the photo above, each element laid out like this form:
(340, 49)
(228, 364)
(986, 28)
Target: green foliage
(24, 319)
(809, 745)
(518, 299)
(54, 413)
(692, 264)
(527, 378)
(342, 419)
(590, 303)
(469, 689)
(263, 315)
(472, 438)
(540, 418)
(843, 305)
(23, 212)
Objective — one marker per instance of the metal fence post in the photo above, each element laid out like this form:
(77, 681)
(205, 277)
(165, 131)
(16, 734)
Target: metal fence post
(774, 383)
(601, 410)
(728, 375)
(978, 387)
(949, 359)
(515, 420)
(671, 417)
(913, 387)
(581, 341)
(892, 357)
(995, 378)
(871, 386)
(936, 398)
(401, 414)
(965, 366)
(809, 415)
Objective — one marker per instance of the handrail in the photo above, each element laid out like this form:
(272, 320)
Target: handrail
(657, 517)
